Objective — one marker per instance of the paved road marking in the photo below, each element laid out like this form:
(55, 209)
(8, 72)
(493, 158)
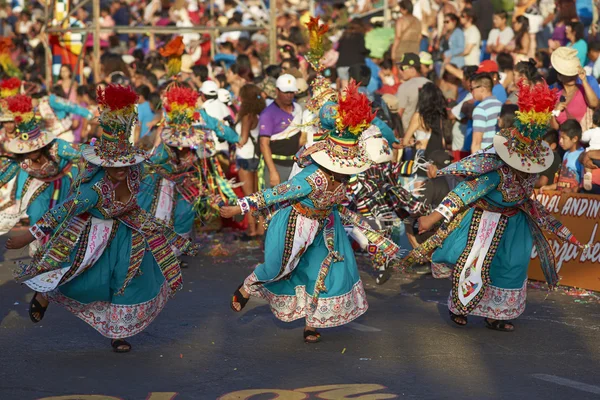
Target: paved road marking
(362, 328)
(584, 387)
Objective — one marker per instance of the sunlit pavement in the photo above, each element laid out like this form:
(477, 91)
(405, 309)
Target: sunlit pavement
(404, 347)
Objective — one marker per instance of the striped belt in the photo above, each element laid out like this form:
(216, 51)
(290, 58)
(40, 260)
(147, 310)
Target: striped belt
(485, 205)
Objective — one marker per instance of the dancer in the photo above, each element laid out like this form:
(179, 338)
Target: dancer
(107, 261)
(310, 271)
(47, 167)
(171, 188)
(491, 221)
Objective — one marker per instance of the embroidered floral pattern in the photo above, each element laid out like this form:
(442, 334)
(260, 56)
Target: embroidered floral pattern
(329, 312)
(513, 187)
(498, 303)
(321, 197)
(113, 320)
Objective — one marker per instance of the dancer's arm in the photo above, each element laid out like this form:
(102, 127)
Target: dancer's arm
(83, 200)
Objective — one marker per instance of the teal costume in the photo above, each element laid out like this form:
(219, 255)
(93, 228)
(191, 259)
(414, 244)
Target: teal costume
(38, 190)
(109, 263)
(169, 191)
(492, 223)
(310, 271)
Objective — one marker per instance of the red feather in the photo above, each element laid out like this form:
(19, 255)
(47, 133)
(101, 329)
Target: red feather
(19, 104)
(11, 83)
(538, 97)
(354, 107)
(181, 95)
(116, 97)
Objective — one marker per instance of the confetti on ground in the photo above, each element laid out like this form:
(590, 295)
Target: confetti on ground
(343, 351)
(218, 251)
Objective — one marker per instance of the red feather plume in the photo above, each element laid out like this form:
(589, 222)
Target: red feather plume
(116, 97)
(19, 104)
(10, 84)
(538, 97)
(183, 96)
(354, 107)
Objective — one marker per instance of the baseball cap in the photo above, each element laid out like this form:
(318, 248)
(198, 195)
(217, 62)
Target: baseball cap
(487, 66)
(425, 58)
(286, 83)
(224, 96)
(209, 88)
(440, 158)
(410, 60)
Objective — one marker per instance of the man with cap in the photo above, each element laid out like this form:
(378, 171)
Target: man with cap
(279, 134)
(408, 92)
(209, 92)
(491, 67)
(485, 114)
(427, 65)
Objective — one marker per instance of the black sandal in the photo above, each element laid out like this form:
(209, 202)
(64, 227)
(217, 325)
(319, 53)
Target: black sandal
(117, 343)
(315, 334)
(36, 307)
(457, 318)
(238, 297)
(383, 277)
(498, 325)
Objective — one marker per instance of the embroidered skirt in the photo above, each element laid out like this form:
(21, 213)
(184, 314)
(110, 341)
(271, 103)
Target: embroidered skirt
(293, 262)
(94, 290)
(489, 254)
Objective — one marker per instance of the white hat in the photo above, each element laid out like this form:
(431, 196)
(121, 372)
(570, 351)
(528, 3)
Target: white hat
(209, 88)
(128, 58)
(224, 96)
(565, 61)
(286, 83)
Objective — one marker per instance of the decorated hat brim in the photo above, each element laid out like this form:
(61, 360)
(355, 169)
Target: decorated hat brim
(20, 146)
(335, 164)
(523, 164)
(89, 153)
(170, 138)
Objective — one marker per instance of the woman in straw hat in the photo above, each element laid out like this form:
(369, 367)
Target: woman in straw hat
(491, 223)
(310, 271)
(106, 260)
(46, 166)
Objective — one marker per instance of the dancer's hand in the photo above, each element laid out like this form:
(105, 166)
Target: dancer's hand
(230, 211)
(426, 223)
(20, 241)
(274, 178)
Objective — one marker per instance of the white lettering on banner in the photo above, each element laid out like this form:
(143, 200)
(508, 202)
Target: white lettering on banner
(577, 207)
(550, 202)
(565, 252)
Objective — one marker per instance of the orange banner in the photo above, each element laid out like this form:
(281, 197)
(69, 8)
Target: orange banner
(581, 214)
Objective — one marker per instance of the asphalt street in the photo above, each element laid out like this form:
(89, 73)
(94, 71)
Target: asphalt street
(404, 347)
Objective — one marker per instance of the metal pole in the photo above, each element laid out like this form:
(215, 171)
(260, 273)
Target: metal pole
(96, 64)
(47, 49)
(311, 7)
(387, 13)
(272, 31)
(213, 43)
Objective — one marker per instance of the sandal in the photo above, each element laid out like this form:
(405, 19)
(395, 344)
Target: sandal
(36, 307)
(498, 325)
(315, 334)
(460, 320)
(383, 277)
(120, 346)
(238, 297)
(183, 264)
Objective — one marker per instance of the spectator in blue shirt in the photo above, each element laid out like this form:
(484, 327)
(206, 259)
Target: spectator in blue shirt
(456, 41)
(145, 114)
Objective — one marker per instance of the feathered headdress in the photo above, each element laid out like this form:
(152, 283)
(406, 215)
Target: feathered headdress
(521, 146)
(9, 87)
(173, 52)
(118, 114)
(180, 107)
(30, 137)
(321, 89)
(354, 111)
(6, 46)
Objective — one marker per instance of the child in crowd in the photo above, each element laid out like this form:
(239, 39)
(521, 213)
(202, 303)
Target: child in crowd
(388, 78)
(571, 171)
(592, 137)
(548, 177)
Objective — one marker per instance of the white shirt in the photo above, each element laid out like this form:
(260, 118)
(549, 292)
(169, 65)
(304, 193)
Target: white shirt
(593, 137)
(497, 37)
(246, 152)
(472, 36)
(217, 110)
(421, 8)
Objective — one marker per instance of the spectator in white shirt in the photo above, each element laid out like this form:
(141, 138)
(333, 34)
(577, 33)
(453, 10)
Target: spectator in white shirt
(215, 108)
(500, 36)
(472, 53)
